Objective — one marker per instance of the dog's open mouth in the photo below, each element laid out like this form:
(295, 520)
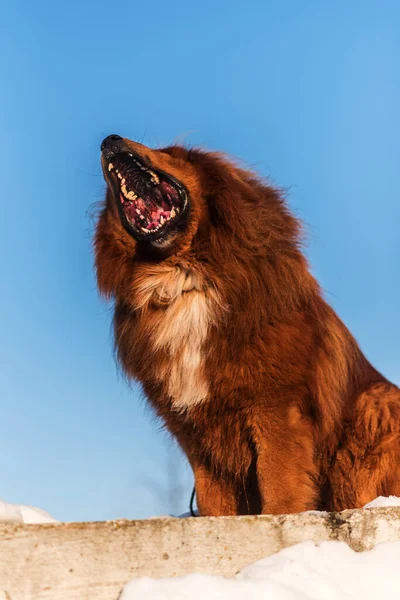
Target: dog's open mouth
(151, 203)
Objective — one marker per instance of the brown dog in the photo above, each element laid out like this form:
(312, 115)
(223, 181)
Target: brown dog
(218, 316)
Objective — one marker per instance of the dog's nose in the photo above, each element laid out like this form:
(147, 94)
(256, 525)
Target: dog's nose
(109, 141)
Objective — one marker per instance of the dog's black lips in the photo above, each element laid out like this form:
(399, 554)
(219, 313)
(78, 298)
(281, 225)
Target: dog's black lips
(151, 203)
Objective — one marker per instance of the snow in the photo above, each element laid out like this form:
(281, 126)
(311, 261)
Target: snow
(382, 501)
(18, 513)
(306, 571)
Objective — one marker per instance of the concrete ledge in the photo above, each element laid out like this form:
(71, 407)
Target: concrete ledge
(93, 561)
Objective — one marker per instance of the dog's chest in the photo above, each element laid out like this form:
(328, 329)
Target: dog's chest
(180, 312)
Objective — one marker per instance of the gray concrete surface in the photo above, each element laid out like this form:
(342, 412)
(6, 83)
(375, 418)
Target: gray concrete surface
(92, 561)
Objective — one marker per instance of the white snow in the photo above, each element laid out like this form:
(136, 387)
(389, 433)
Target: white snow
(306, 571)
(17, 513)
(382, 501)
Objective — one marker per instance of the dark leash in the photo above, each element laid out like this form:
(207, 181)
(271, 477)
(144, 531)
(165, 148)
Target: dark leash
(191, 503)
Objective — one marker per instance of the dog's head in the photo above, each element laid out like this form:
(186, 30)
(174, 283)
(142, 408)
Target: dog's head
(164, 203)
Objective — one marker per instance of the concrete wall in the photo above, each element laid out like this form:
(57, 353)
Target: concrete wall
(92, 561)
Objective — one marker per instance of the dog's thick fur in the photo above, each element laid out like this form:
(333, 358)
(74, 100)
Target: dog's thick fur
(263, 386)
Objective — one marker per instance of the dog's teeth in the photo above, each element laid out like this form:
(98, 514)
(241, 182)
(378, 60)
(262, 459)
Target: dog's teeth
(138, 211)
(110, 167)
(172, 214)
(123, 180)
(128, 195)
(154, 177)
(162, 220)
(130, 154)
(119, 175)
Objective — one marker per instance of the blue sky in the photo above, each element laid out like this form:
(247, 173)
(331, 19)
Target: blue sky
(307, 92)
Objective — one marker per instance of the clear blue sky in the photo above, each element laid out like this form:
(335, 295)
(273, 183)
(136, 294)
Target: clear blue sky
(306, 91)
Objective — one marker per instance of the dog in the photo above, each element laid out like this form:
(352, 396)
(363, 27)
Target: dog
(217, 315)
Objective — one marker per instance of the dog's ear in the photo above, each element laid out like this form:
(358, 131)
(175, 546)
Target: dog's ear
(224, 189)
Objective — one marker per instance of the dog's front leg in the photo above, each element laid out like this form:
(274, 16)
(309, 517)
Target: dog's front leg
(215, 496)
(286, 472)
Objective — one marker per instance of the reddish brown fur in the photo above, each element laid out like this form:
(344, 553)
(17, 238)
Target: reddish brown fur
(295, 418)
